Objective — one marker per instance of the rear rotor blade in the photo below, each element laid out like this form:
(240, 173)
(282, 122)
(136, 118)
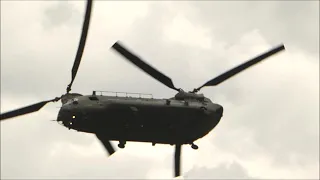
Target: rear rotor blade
(177, 158)
(107, 144)
(144, 66)
(82, 43)
(25, 110)
(219, 79)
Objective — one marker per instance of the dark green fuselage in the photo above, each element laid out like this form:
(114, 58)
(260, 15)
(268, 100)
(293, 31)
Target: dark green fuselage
(167, 121)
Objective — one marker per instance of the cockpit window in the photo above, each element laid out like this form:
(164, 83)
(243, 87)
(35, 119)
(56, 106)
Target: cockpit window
(73, 100)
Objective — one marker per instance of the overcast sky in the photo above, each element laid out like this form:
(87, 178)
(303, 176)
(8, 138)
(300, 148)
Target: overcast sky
(270, 128)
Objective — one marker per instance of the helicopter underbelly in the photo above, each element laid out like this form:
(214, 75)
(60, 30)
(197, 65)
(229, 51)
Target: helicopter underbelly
(147, 122)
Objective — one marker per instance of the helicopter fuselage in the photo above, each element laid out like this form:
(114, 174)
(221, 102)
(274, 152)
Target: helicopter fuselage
(166, 121)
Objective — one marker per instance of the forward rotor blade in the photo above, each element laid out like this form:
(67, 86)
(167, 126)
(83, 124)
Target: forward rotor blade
(107, 144)
(177, 158)
(25, 110)
(219, 79)
(82, 43)
(144, 66)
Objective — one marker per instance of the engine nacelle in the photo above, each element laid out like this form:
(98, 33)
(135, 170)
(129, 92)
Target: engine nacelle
(181, 95)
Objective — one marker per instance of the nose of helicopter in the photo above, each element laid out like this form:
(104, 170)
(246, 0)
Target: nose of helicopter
(67, 116)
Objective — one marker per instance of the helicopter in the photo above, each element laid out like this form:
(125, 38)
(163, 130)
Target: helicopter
(178, 120)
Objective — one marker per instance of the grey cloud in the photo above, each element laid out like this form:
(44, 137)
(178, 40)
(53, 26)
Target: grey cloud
(291, 22)
(170, 57)
(103, 168)
(61, 14)
(46, 46)
(222, 171)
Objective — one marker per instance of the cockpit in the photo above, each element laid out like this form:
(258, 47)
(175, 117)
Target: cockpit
(70, 98)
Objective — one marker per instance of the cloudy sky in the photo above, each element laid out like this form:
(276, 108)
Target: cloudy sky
(270, 127)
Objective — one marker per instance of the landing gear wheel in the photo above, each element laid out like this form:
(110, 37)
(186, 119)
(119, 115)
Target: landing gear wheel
(121, 145)
(193, 146)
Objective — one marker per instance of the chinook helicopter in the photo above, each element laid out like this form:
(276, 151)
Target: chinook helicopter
(178, 120)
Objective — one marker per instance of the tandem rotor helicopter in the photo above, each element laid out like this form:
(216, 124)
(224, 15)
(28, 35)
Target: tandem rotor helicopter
(178, 120)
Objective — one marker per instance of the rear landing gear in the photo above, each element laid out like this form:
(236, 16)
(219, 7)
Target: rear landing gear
(121, 144)
(193, 146)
